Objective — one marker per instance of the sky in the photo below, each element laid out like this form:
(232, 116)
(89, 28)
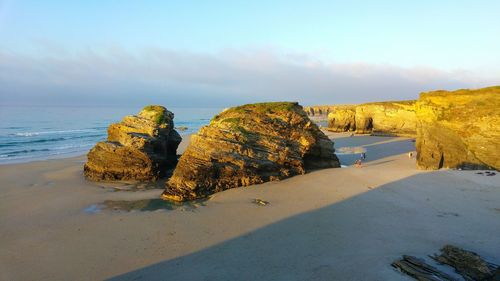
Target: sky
(221, 53)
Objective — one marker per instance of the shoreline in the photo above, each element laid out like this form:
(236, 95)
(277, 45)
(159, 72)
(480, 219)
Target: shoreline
(76, 154)
(348, 223)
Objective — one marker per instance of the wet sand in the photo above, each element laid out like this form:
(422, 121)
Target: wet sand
(332, 224)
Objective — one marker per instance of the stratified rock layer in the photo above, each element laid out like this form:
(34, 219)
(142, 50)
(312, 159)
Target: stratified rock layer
(386, 118)
(247, 145)
(377, 118)
(459, 129)
(141, 147)
(342, 118)
(319, 110)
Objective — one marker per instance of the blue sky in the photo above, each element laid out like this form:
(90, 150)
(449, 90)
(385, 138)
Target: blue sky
(445, 44)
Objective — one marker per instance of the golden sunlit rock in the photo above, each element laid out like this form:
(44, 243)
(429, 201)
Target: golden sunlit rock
(248, 145)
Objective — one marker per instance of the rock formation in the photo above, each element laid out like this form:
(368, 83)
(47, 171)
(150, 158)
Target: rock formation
(319, 110)
(247, 145)
(386, 118)
(459, 129)
(140, 148)
(377, 118)
(342, 119)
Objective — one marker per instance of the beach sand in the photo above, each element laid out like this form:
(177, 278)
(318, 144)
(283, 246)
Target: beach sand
(333, 224)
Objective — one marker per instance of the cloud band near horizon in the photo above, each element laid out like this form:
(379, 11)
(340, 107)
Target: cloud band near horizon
(186, 79)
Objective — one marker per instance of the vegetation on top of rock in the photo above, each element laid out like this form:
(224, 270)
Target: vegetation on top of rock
(263, 107)
(140, 147)
(459, 129)
(158, 108)
(247, 145)
(493, 89)
(155, 113)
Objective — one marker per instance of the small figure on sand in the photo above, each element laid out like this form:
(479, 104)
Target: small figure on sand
(410, 155)
(363, 156)
(357, 164)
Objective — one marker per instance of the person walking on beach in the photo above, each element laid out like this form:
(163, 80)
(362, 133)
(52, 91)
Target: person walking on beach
(363, 156)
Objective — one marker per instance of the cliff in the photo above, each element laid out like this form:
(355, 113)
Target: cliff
(459, 129)
(247, 145)
(377, 118)
(140, 147)
(319, 110)
(342, 118)
(386, 118)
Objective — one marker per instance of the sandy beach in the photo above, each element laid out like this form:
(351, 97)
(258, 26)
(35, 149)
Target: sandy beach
(332, 224)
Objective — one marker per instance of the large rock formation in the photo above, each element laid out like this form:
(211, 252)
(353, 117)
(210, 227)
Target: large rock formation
(459, 129)
(386, 118)
(342, 118)
(377, 118)
(319, 110)
(140, 147)
(247, 145)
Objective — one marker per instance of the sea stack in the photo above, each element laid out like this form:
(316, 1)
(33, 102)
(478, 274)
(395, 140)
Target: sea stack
(141, 148)
(459, 129)
(250, 144)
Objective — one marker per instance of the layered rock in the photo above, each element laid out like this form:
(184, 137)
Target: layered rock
(459, 129)
(342, 118)
(377, 118)
(319, 110)
(386, 118)
(247, 145)
(141, 147)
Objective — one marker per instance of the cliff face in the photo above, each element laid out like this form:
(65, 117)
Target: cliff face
(386, 118)
(378, 118)
(459, 129)
(319, 110)
(140, 147)
(247, 145)
(342, 118)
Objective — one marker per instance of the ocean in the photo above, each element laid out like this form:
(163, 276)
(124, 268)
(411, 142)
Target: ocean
(29, 133)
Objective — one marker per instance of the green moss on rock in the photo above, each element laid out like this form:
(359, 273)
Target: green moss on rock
(266, 107)
(250, 144)
(156, 113)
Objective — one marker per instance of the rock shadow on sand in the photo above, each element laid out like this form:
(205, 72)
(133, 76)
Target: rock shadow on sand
(348, 150)
(367, 231)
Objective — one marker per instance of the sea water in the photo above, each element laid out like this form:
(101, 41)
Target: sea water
(29, 133)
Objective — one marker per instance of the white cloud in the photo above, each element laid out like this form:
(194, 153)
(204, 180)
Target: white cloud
(177, 78)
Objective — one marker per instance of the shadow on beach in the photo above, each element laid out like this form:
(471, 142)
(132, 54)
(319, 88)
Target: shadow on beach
(346, 240)
(348, 149)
